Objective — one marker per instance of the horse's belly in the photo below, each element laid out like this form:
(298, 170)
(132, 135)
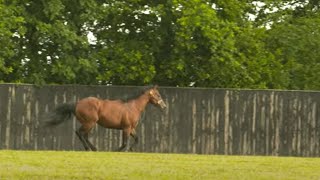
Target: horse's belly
(110, 123)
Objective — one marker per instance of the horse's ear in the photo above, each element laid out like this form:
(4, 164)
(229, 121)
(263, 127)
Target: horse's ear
(155, 87)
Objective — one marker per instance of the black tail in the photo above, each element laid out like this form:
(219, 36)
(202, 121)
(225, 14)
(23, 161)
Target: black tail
(62, 113)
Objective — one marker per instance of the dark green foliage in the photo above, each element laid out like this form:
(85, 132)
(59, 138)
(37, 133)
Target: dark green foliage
(207, 43)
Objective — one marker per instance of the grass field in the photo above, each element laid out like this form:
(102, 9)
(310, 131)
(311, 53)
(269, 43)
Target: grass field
(110, 165)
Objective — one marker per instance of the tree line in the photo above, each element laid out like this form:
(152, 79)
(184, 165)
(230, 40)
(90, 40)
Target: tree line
(202, 43)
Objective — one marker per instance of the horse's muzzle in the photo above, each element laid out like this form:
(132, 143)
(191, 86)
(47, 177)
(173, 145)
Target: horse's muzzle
(162, 104)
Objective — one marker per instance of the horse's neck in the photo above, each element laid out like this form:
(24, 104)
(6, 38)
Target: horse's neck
(141, 102)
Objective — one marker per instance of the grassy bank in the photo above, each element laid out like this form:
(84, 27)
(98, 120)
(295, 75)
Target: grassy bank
(110, 165)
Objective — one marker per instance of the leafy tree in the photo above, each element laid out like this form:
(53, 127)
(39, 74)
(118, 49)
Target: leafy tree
(216, 49)
(58, 43)
(293, 39)
(11, 29)
(52, 46)
(127, 38)
(207, 43)
(296, 44)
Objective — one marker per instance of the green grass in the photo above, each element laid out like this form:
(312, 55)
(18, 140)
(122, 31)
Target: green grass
(110, 165)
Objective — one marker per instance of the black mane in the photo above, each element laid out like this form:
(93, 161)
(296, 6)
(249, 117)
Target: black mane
(135, 95)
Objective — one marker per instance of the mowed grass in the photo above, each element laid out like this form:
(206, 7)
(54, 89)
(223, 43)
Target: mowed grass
(111, 165)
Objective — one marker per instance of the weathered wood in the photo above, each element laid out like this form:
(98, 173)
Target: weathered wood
(203, 121)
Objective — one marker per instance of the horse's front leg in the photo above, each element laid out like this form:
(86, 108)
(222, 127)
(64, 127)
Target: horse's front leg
(125, 140)
(135, 138)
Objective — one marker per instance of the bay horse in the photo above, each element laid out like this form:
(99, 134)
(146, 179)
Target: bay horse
(113, 114)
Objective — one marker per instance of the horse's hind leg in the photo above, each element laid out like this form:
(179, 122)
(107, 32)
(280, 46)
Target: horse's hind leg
(125, 140)
(92, 147)
(82, 133)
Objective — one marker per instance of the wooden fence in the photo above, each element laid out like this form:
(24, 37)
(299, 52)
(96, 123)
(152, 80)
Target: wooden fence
(203, 121)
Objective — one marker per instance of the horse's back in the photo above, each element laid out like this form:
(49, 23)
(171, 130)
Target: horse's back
(100, 105)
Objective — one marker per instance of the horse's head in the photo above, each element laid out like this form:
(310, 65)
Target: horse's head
(155, 97)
